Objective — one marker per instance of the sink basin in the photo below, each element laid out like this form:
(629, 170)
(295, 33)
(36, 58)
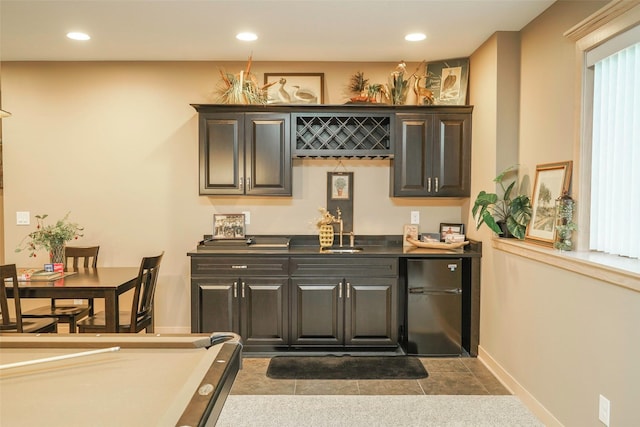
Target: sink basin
(340, 250)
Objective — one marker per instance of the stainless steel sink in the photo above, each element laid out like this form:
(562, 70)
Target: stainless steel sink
(340, 250)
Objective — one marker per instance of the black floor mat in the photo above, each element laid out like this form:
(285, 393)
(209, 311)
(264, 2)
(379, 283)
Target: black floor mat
(346, 367)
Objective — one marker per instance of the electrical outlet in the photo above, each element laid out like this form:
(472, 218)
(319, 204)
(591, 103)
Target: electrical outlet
(247, 217)
(415, 217)
(604, 410)
(23, 218)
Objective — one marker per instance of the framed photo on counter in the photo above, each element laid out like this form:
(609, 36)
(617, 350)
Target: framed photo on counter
(450, 228)
(228, 226)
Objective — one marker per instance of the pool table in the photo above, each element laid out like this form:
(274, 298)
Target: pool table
(151, 380)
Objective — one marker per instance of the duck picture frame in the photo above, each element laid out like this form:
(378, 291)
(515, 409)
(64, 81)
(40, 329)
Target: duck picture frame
(295, 88)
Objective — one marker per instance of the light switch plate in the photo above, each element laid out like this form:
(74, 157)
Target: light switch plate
(247, 217)
(23, 218)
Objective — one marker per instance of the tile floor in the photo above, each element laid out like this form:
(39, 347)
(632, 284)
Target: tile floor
(446, 376)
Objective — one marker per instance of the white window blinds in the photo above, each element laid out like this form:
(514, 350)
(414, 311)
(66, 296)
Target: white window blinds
(615, 175)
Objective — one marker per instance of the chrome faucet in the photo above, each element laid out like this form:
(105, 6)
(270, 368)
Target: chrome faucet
(339, 221)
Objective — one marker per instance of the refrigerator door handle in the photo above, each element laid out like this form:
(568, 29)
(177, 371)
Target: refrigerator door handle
(455, 291)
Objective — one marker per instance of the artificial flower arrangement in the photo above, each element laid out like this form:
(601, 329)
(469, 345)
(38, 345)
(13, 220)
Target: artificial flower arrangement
(50, 236)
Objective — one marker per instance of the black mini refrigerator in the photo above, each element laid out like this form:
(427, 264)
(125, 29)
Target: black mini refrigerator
(434, 311)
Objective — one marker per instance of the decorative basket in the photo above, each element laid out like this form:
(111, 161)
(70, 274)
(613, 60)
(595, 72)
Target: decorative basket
(326, 236)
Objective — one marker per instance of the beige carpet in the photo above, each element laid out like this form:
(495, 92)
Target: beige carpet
(373, 411)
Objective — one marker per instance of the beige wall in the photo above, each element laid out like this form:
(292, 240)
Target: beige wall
(116, 144)
(559, 339)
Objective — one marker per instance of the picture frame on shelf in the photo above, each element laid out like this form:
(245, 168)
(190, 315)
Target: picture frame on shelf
(295, 88)
(448, 81)
(552, 180)
(228, 226)
(450, 228)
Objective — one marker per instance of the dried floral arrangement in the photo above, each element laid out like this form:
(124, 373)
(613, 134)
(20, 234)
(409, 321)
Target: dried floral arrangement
(242, 88)
(395, 89)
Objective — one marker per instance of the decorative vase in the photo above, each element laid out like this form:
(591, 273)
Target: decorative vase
(326, 236)
(57, 254)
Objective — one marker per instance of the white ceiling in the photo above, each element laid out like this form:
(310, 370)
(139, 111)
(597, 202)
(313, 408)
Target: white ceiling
(288, 30)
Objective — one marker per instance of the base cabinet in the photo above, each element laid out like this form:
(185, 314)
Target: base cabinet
(256, 307)
(348, 310)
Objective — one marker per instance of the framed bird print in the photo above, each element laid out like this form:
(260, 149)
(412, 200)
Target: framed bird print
(295, 88)
(448, 81)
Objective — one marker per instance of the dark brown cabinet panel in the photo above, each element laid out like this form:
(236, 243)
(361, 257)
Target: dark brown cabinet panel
(245, 154)
(337, 303)
(253, 304)
(432, 155)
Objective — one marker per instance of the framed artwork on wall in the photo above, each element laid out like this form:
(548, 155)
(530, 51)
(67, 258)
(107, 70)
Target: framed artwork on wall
(552, 180)
(295, 88)
(340, 195)
(448, 81)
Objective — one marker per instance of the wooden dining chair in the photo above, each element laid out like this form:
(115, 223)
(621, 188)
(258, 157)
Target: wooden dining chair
(75, 257)
(141, 314)
(9, 277)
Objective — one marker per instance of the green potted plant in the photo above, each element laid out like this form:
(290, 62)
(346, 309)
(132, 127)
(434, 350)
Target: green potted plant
(51, 237)
(503, 215)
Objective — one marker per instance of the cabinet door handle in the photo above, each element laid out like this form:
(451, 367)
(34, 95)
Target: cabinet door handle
(242, 289)
(235, 289)
(429, 185)
(241, 182)
(348, 290)
(248, 183)
(238, 266)
(436, 184)
(340, 290)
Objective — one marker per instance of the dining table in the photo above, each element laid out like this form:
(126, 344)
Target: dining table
(106, 283)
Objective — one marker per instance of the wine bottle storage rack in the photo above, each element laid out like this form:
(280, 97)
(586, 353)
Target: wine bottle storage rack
(343, 135)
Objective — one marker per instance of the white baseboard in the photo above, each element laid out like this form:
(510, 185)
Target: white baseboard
(517, 389)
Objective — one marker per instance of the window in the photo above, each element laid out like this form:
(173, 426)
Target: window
(615, 149)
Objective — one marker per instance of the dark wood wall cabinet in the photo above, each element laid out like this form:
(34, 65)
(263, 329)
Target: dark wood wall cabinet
(248, 149)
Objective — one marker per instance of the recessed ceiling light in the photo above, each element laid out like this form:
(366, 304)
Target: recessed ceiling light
(78, 36)
(247, 37)
(415, 37)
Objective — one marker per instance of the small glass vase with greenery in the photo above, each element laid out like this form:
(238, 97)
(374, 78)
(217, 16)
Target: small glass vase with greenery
(51, 237)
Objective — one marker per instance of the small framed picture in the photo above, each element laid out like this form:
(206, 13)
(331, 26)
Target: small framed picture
(409, 230)
(341, 185)
(228, 226)
(295, 88)
(552, 180)
(448, 228)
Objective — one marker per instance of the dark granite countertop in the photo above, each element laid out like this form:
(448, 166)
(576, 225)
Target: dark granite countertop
(307, 245)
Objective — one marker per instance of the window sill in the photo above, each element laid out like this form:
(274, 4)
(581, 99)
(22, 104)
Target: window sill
(620, 271)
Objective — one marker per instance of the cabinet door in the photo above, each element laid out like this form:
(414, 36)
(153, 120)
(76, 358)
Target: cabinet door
(216, 306)
(317, 312)
(371, 312)
(265, 311)
(221, 153)
(452, 155)
(268, 148)
(411, 171)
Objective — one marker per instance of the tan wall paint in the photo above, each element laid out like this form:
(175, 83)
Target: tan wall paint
(558, 339)
(116, 144)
